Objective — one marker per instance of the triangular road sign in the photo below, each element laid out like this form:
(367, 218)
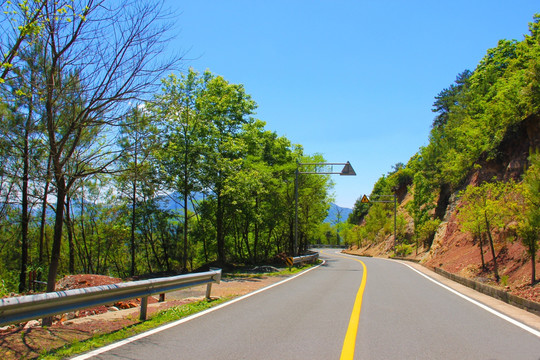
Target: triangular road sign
(347, 170)
(364, 200)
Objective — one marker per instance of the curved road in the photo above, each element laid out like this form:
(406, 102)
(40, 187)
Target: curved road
(348, 308)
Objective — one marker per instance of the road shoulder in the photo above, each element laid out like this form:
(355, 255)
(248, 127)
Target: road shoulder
(515, 313)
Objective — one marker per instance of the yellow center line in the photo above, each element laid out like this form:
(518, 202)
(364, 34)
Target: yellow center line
(347, 352)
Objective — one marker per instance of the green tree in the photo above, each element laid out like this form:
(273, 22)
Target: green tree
(138, 178)
(447, 100)
(183, 142)
(225, 108)
(529, 222)
(360, 210)
(421, 207)
(313, 199)
(485, 208)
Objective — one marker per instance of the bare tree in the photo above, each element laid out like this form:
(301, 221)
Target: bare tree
(98, 57)
(22, 21)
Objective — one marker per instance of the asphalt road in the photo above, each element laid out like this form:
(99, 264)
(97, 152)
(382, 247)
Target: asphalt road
(402, 315)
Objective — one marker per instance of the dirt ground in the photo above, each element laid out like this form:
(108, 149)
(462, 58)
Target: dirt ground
(29, 340)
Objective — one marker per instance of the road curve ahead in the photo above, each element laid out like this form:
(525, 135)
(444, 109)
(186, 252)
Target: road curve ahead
(348, 308)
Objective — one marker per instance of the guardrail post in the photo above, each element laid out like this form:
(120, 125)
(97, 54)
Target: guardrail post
(144, 308)
(208, 290)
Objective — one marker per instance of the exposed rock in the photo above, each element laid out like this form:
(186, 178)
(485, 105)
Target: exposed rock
(438, 242)
(264, 269)
(32, 323)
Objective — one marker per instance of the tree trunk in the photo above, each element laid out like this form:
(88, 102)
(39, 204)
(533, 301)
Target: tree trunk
(245, 236)
(133, 216)
(219, 230)
(495, 269)
(205, 250)
(291, 237)
(43, 217)
(87, 252)
(57, 240)
(256, 232)
(69, 227)
(480, 241)
(24, 215)
(533, 264)
(185, 254)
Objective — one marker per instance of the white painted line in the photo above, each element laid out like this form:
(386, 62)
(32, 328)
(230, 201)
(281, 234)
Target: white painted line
(479, 304)
(186, 319)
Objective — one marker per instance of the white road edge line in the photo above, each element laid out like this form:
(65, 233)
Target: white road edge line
(477, 303)
(186, 319)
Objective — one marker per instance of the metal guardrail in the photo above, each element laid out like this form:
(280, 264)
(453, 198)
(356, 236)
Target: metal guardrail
(305, 258)
(290, 261)
(23, 308)
(327, 246)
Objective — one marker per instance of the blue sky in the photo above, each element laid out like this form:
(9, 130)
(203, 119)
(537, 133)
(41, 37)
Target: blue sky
(352, 80)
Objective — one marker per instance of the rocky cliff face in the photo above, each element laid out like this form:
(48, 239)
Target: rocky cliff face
(511, 159)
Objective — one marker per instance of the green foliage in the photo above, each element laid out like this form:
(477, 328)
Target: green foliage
(195, 138)
(360, 210)
(476, 112)
(326, 234)
(9, 283)
(404, 249)
(427, 230)
(421, 208)
(449, 99)
(486, 208)
(529, 222)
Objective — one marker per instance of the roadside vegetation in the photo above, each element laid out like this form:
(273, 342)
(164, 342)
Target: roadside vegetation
(116, 163)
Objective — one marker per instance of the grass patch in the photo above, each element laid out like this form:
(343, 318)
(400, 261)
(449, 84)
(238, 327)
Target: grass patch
(295, 269)
(161, 318)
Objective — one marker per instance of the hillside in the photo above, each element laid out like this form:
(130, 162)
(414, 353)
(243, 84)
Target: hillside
(483, 156)
(456, 251)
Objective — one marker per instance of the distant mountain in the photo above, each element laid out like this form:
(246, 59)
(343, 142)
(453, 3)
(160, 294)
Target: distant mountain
(336, 211)
(173, 202)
